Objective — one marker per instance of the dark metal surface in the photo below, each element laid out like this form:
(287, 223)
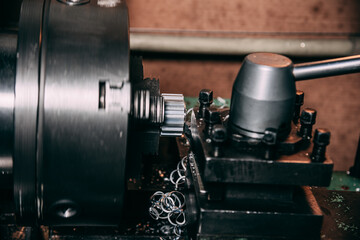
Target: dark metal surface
(263, 95)
(143, 138)
(340, 222)
(340, 209)
(252, 213)
(138, 224)
(72, 108)
(355, 169)
(247, 164)
(82, 148)
(326, 68)
(63, 140)
(8, 43)
(6, 172)
(251, 184)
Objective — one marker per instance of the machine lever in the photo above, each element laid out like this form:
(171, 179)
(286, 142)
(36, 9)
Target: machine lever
(327, 68)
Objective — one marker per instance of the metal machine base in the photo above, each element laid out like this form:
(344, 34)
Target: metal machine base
(270, 218)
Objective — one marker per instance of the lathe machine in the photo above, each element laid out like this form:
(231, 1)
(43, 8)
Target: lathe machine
(81, 154)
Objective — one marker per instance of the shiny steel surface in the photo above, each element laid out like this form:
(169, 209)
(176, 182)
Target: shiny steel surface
(263, 95)
(326, 68)
(26, 107)
(174, 115)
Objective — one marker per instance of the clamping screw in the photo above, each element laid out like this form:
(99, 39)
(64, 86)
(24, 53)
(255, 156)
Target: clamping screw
(270, 136)
(269, 140)
(205, 100)
(212, 117)
(299, 101)
(218, 137)
(307, 120)
(321, 140)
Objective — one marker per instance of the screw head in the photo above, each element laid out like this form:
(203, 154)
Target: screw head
(308, 116)
(212, 117)
(205, 97)
(322, 136)
(299, 99)
(219, 134)
(270, 136)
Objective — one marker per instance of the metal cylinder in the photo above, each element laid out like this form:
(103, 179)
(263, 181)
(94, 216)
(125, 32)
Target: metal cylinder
(72, 108)
(263, 96)
(326, 68)
(8, 43)
(174, 115)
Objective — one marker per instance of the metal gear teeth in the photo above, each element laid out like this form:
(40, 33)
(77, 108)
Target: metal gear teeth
(174, 115)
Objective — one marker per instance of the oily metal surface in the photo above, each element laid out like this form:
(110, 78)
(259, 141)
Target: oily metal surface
(82, 151)
(26, 103)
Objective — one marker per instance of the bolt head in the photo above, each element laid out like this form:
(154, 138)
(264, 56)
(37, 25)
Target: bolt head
(212, 116)
(205, 97)
(308, 116)
(219, 134)
(270, 136)
(322, 136)
(299, 99)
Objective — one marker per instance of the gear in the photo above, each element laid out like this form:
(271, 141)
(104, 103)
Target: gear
(174, 115)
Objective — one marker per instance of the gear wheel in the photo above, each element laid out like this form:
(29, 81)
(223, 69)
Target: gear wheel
(174, 115)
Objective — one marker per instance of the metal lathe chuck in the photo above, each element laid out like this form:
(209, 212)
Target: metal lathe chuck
(75, 101)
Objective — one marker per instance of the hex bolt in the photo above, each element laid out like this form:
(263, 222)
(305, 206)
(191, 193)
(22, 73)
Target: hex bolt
(307, 120)
(299, 101)
(205, 100)
(321, 140)
(269, 140)
(218, 137)
(212, 117)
